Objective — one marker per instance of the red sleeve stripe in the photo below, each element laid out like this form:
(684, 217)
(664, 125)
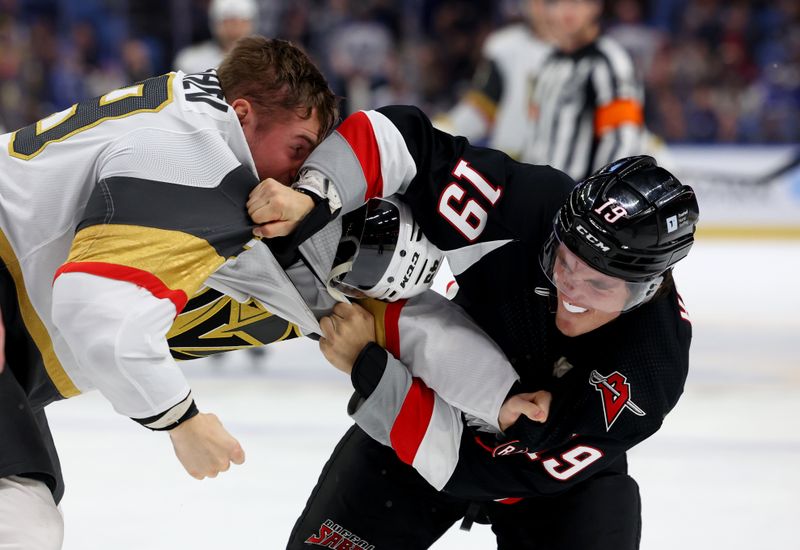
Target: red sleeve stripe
(130, 274)
(510, 500)
(391, 326)
(412, 421)
(358, 132)
(683, 311)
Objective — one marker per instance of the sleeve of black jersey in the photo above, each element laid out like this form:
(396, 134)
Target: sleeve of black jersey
(460, 194)
(612, 399)
(533, 459)
(463, 194)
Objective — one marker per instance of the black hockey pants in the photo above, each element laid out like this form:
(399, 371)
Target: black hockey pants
(26, 445)
(366, 498)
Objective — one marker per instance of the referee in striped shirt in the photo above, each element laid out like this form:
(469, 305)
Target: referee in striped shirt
(586, 106)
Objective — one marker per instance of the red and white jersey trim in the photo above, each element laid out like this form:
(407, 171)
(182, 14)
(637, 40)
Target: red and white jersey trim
(373, 137)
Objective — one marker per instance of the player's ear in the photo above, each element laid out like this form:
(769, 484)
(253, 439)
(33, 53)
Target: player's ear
(243, 109)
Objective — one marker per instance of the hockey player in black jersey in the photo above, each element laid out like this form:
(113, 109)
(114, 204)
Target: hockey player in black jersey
(574, 286)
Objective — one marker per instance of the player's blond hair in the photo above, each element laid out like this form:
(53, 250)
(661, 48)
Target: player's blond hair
(276, 76)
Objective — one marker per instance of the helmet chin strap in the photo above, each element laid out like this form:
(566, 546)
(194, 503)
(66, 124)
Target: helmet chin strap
(549, 295)
(338, 271)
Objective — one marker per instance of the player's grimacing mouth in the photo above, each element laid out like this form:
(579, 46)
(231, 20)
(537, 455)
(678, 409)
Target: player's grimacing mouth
(572, 308)
(569, 305)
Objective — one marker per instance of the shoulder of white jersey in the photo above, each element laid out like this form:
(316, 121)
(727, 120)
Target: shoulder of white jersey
(512, 40)
(618, 57)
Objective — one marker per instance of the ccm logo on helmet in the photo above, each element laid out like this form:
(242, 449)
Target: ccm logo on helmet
(410, 270)
(592, 239)
(412, 266)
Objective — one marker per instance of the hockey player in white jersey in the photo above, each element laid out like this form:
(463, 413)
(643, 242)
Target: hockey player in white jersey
(114, 212)
(495, 108)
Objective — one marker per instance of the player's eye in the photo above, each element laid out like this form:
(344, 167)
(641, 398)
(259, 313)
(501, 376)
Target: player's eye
(563, 264)
(600, 286)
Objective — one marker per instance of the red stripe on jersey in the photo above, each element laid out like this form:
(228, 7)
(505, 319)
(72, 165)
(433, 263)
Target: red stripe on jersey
(130, 274)
(480, 442)
(683, 312)
(357, 130)
(512, 500)
(412, 421)
(391, 326)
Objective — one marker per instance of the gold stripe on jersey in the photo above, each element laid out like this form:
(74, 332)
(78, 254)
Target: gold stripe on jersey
(193, 315)
(483, 104)
(179, 260)
(220, 323)
(86, 108)
(378, 311)
(34, 325)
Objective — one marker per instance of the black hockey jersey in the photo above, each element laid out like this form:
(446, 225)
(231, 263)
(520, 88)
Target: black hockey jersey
(611, 387)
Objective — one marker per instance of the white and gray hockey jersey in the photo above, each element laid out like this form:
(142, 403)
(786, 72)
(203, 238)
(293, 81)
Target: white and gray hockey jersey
(124, 228)
(145, 185)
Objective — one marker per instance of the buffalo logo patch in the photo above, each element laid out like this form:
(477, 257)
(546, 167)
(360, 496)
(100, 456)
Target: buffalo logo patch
(616, 395)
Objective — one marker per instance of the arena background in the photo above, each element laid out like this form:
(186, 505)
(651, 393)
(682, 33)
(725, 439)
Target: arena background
(723, 91)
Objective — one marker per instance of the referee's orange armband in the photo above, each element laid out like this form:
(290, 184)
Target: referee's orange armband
(618, 112)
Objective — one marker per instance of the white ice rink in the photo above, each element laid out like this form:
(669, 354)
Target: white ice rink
(723, 472)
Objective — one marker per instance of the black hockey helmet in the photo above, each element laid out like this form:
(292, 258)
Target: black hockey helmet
(631, 220)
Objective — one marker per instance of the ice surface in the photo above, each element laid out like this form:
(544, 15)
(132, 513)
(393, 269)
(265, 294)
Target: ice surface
(723, 472)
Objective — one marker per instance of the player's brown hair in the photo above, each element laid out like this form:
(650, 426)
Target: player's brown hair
(276, 76)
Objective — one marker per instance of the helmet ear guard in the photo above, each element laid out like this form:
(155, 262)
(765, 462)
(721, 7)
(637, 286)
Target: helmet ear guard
(383, 254)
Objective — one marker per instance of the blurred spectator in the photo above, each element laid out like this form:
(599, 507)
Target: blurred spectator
(230, 20)
(137, 62)
(358, 56)
(398, 88)
(454, 34)
(11, 85)
(701, 117)
(718, 70)
(629, 28)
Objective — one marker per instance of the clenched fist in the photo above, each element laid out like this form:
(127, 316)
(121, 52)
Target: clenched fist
(276, 208)
(345, 332)
(204, 446)
(535, 406)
